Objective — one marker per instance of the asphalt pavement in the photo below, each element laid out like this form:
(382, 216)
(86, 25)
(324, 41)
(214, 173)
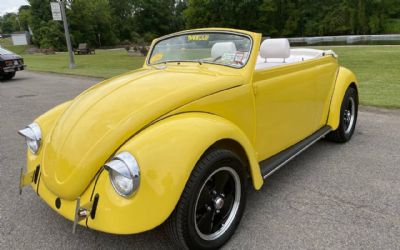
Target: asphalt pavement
(333, 196)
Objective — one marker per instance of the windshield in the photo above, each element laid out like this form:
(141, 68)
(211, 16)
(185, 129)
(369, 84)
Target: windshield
(203, 47)
(5, 52)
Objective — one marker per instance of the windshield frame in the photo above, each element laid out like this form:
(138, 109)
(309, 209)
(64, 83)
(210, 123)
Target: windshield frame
(200, 61)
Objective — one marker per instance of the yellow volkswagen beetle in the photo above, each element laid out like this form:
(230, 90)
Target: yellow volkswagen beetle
(176, 141)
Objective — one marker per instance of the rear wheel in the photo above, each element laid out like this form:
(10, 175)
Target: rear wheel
(348, 117)
(211, 204)
(8, 76)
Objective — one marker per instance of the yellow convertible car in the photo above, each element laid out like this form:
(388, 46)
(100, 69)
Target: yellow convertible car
(175, 142)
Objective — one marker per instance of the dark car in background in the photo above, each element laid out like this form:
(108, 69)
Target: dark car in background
(10, 63)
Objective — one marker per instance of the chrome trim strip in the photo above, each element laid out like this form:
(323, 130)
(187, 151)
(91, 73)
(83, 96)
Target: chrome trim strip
(296, 154)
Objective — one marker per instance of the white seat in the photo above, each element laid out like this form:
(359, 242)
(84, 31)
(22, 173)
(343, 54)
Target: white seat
(275, 48)
(219, 49)
(306, 53)
(273, 52)
(276, 52)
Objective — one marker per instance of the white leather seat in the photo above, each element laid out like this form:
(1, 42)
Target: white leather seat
(275, 48)
(277, 52)
(219, 49)
(273, 52)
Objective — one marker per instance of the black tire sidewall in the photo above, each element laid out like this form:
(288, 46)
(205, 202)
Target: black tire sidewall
(215, 160)
(8, 76)
(350, 93)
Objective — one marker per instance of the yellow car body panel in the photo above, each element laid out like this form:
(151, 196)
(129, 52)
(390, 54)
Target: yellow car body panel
(78, 154)
(46, 121)
(288, 94)
(179, 140)
(167, 117)
(344, 79)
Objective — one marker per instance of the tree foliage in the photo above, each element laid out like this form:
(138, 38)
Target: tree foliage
(90, 22)
(9, 23)
(296, 17)
(110, 22)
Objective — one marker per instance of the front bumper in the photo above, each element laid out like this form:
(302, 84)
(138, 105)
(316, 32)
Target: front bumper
(13, 68)
(70, 209)
(66, 208)
(113, 213)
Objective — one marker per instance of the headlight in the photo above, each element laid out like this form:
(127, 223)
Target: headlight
(124, 174)
(33, 137)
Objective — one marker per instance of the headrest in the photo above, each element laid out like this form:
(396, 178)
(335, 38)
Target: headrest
(218, 49)
(275, 48)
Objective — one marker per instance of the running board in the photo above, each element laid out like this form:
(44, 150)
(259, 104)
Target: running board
(272, 164)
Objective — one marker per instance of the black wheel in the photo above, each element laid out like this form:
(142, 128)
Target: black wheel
(348, 117)
(211, 204)
(8, 76)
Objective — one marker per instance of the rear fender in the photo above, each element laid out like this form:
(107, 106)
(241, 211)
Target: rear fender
(344, 79)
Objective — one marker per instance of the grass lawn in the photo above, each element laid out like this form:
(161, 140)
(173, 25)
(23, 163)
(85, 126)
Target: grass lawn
(377, 68)
(105, 63)
(378, 71)
(5, 41)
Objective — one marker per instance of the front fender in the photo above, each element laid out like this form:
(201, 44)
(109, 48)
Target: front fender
(46, 123)
(344, 79)
(166, 152)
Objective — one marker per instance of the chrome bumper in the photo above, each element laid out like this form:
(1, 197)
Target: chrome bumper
(14, 68)
(26, 179)
(82, 212)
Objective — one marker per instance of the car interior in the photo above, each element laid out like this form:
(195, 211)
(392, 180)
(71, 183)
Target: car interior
(273, 52)
(277, 52)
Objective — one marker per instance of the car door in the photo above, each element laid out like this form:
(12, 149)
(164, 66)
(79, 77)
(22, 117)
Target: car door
(285, 103)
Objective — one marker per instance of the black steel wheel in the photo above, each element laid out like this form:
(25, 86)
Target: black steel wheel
(348, 117)
(8, 76)
(212, 203)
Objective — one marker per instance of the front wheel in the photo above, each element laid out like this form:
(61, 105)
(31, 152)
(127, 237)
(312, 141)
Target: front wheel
(8, 76)
(348, 117)
(211, 204)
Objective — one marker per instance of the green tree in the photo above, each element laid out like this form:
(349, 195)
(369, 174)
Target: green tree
(158, 17)
(123, 21)
(46, 32)
(90, 22)
(24, 15)
(9, 23)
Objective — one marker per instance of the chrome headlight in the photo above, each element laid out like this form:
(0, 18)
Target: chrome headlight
(33, 137)
(124, 174)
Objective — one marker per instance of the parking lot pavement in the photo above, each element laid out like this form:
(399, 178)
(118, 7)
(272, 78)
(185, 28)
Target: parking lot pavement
(330, 197)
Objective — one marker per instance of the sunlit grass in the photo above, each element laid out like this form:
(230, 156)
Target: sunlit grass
(378, 71)
(105, 63)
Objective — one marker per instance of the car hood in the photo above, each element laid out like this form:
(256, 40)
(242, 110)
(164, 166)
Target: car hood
(9, 56)
(105, 116)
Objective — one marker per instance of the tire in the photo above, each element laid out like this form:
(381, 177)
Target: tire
(8, 76)
(212, 203)
(348, 118)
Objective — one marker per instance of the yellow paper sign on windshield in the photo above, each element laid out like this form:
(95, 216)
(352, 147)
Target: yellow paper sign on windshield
(198, 37)
(156, 58)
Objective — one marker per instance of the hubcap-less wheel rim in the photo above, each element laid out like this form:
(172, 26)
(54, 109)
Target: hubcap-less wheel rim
(217, 203)
(349, 115)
